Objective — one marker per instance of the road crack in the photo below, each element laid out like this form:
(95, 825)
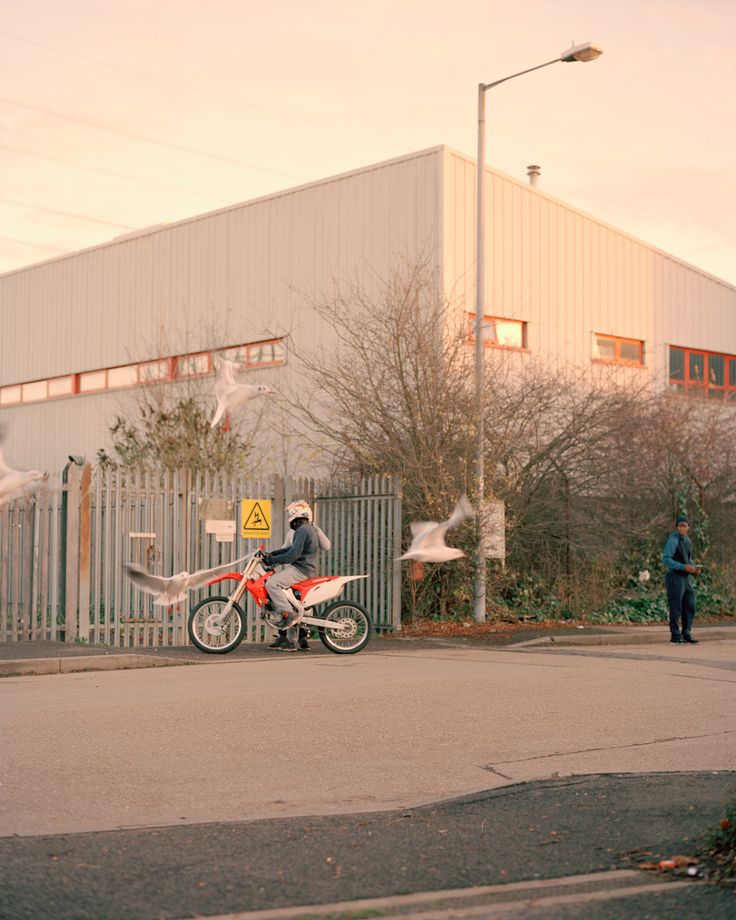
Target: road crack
(491, 768)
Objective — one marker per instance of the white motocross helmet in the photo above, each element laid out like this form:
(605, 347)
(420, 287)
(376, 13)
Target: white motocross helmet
(299, 509)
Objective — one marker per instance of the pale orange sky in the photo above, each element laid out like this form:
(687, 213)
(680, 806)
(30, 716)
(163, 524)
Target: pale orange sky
(211, 103)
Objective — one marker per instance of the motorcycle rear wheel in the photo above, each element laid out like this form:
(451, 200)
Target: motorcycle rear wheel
(352, 631)
(210, 638)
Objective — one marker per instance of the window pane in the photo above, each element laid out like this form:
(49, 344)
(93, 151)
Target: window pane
(150, 371)
(631, 351)
(715, 370)
(604, 348)
(510, 332)
(123, 376)
(261, 354)
(696, 366)
(236, 355)
(61, 386)
(34, 391)
(92, 380)
(193, 365)
(732, 372)
(489, 330)
(10, 395)
(677, 364)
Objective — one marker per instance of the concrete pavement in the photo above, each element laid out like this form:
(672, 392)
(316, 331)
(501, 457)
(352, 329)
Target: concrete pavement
(395, 728)
(519, 850)
(47, 657)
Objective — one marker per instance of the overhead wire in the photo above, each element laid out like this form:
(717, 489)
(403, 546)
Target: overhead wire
(133, 135)
(161, 78)
(151, 140)
(14, 239)
(110, 172)
(38, 207)
(86, 149)
(693, 252)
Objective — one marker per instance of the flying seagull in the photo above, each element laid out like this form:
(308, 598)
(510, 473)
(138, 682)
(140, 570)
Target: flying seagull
(428, 537)
(170, 591)
(16, 482)
(231, 394)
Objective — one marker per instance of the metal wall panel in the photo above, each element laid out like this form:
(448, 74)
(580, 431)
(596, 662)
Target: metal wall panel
(568, 275)
(240, 274)
(251, 271)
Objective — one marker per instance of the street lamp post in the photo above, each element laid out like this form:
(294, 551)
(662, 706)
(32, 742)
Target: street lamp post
(583, 53)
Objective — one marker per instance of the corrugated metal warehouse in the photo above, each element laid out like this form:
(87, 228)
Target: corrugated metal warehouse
(79, 333)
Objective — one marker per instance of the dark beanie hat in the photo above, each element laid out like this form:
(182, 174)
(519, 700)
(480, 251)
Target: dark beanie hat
(682, 519)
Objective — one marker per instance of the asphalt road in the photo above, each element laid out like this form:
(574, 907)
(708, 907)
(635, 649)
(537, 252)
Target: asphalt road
(531, 831)
(300, 780)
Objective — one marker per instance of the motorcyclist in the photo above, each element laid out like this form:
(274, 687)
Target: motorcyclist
(298, 556)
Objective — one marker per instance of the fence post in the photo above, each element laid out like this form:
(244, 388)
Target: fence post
(85, 550)
(71, 542)
(278, 510)
(26, 593)
(4, 571)
(396, 575)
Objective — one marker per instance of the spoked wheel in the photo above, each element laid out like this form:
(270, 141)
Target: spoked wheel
(208, 634)
(352, 630)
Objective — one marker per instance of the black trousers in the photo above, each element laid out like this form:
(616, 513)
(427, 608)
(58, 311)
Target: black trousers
(681, 601)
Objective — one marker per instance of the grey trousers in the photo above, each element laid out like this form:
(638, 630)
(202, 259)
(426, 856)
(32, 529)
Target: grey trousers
(289, 575)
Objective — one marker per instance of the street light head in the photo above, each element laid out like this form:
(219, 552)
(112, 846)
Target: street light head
(584, 53)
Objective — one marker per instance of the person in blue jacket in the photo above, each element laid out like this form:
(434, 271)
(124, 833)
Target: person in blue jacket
(677, 557)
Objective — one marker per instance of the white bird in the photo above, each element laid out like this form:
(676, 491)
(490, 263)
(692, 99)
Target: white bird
(644, 576)
(428, 537)
(231, 394)
(170, 591)
(16, 482)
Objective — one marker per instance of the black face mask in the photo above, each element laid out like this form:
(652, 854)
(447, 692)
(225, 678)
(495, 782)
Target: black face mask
(297, 522)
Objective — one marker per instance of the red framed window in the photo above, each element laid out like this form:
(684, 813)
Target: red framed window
(499, 332)
(124, 376)
(613, 349)
(708, 374)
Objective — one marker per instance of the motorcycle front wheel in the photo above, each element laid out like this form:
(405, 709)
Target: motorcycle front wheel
(352, 629)
(207, 634)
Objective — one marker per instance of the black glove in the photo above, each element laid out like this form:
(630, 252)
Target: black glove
(266, 560)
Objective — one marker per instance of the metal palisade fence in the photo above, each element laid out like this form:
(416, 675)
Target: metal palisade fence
(62, 551)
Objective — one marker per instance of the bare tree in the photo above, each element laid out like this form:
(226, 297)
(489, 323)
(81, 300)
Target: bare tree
(587, 476)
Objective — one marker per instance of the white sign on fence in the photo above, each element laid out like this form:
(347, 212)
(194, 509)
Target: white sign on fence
(224, 531)
(215, 526)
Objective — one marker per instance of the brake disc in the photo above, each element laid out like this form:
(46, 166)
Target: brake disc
(212, 627)
(346, 627)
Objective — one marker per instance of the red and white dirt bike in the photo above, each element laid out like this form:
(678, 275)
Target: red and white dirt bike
(217, 624)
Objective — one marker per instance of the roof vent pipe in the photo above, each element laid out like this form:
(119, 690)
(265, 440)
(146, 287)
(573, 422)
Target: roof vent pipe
(533, 173)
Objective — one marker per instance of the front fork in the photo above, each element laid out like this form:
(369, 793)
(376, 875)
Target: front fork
(239, 591)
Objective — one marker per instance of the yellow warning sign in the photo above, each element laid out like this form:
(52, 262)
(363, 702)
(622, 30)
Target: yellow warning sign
(255, 514)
